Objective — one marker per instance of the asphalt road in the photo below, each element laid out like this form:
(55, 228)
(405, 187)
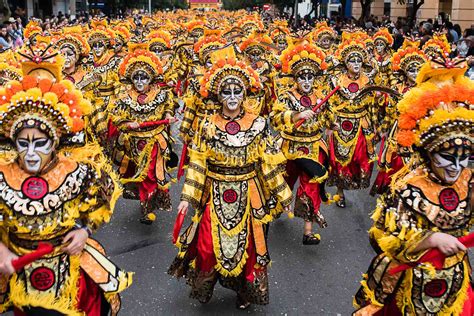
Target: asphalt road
(304, 280)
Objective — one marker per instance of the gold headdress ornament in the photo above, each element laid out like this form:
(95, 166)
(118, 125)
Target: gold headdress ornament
(72, 37)
(9, 72)
(348, 48)
(437, 46)
(32, 28)
(52, 105)
(304, 56)
(122, 32)
(195, 27)
(353, 34)
(161, 38)
(251, 23)
(411, 42)
(140, 59)
(438, 110)
(99, 32)
(403, 58)
(258, 39)
(148, 22)
(208, 43)
(323, 30)
(41, 61)
(384, 35)
(225, 66)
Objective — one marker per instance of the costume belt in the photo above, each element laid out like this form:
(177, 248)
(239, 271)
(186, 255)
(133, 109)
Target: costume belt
(231, 174)
(302, 137)
(106, 90)
(33, 244)
(352, 114)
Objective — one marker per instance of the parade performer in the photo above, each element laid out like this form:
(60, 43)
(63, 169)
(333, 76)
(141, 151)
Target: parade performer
(75, 49)
(103, 70)
(383, 42)
(235, 184)
(429, 205)
(406, 63)
(304, 146)
(351, 148)
(53, 190)
(324, 37)
(140, 137)
(437, 47)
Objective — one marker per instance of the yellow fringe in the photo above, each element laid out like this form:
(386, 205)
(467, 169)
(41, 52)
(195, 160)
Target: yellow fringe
(67, 301)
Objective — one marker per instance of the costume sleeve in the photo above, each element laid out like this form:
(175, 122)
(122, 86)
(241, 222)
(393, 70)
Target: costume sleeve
(190, 101)
(403, 231)
(272, 165)
(281, 115)
(100, 197)
(194, 184)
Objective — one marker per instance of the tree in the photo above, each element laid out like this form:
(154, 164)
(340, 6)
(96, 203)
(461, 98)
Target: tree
(414, 6)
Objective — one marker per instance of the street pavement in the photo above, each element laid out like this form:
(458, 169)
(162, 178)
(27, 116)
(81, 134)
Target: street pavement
(303, 280)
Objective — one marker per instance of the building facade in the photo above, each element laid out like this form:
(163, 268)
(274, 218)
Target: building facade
(205, 4)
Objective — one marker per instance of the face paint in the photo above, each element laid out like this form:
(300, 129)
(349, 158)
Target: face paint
(255, 55)
(380, 46)
(141, 81)
(35, 150)
(412, 72)
(282, 44)
(98, 48)
(70, 57)
(305, 81)
(118, 46)
(447, 164)
(354, 64)
(325, 42)
(157, 50)
(232, 95)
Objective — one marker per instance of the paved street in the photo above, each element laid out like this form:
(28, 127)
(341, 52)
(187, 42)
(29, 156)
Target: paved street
(304, 280)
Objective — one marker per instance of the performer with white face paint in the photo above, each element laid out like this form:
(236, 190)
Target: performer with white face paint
(57, 191)
(140, 145)
(383, 42)
(430, 205)
(406, 64)
(235, 184)
(304, 146)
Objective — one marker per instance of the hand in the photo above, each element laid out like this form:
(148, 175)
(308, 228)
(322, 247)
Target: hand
(6, 258)
(287, 209)
(183, 207)
(305, 115)
(77, 240)
(447, 244)
(133, 125)
(172, 119)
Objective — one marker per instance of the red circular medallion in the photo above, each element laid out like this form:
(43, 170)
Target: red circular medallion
(42, 278)
(141, 144)
(141, 99)
(304, 150)
(232, 127)
(35, 188)
(305, 101)
(230, 196)
(449, 199)
(353, 87)
(436, 288)
(347, 125)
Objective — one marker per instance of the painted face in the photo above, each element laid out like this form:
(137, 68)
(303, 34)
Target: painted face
(141, 81)
(325, 42)
(118, 46)
(305, 81)
(232, 94)
(282, 44)
(380, 46)
(412, 72)
(255, 55)
(354, 64)
(70, 57)
(447, 164)
(98, 48)
(35, 150)
(157, 50)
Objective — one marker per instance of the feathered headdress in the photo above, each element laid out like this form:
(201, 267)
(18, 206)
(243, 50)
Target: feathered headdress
(405, 57)
(140, 59)
(351, 47)
(384, 35)
(302, 56)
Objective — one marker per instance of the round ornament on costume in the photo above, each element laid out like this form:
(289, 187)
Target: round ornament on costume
(436, 288)
(232, 127)
(141, 144)
(353, 87)
(141, 99)
(230, 196)
(303, 149)
(347, 125)
(449, 199)
(305, 101)
(42, 278)
(35, 188)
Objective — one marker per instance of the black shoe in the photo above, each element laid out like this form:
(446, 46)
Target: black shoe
(311, 239)
(241, 303)
(148, 219)
(341, 203)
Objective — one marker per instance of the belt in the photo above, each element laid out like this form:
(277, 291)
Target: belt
(231, 173)
(33, 244)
